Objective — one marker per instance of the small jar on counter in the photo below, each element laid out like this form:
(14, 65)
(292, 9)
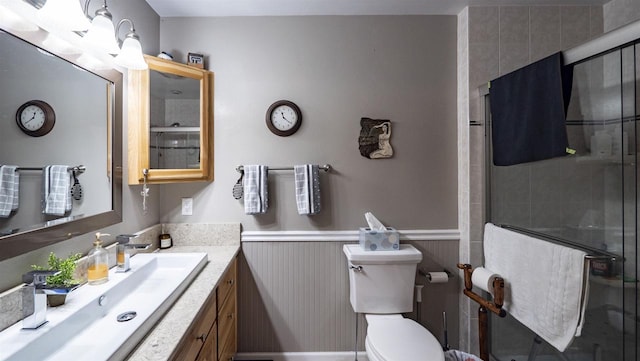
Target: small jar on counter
(165, 241)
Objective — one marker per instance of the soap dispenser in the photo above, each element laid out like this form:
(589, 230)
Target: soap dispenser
(98, 262)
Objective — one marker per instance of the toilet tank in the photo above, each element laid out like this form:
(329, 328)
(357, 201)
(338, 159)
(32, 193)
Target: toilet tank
(381, 282)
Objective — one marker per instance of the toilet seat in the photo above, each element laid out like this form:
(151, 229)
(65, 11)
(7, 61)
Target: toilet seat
(395, 338)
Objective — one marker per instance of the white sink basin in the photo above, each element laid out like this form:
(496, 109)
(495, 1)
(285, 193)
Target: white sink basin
(86, 326)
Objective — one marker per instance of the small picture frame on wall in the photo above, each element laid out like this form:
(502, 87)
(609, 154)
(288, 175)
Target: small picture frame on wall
(195, 60)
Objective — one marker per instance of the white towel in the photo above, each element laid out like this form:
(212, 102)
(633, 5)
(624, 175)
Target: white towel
(546, 285)
(307, 180)
(56, 192)
(256, 195)
(9, 189)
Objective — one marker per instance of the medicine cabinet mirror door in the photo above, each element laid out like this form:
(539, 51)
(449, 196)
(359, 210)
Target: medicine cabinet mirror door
(170, 123)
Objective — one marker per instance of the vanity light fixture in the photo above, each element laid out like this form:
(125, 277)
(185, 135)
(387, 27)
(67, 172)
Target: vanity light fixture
(11, 20)
(62, 15)
(130, 55)
(101, 33)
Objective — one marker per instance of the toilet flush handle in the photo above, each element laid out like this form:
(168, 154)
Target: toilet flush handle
(355, 268)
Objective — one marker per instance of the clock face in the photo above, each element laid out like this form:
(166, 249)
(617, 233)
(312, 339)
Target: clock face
(32, 118)
(283, 118)
(35, 118)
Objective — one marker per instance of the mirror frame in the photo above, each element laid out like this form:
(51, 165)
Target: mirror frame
(44, 234)
(139, 124)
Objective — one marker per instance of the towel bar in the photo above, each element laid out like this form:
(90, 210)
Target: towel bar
(326, 168)
(595, 254)
(79, 169)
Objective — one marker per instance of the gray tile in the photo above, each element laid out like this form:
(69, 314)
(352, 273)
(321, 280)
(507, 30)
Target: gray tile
(545, 31)
(483, 24)
(514, 24)
(596, 23)
(575, 25)
(513, 56)
(483, 63)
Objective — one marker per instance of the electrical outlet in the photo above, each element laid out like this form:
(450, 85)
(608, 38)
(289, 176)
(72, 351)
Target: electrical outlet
(187, 206)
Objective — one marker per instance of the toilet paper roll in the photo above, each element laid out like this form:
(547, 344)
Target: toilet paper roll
(438, 277)
(483, 279)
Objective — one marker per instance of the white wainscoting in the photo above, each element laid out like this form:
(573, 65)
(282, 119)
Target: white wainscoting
(345, 236)
(293, 295)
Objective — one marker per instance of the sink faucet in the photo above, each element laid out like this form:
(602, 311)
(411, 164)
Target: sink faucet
(123, 251)
(34, 300)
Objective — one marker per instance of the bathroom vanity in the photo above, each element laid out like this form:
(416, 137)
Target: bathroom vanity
(202, 323)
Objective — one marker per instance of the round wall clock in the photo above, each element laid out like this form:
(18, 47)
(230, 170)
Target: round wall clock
(283, 118)
(35, 118)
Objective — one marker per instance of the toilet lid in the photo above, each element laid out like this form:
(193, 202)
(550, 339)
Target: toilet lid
(395, 338)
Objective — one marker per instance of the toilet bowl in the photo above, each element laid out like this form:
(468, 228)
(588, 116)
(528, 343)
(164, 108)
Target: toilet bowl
(395, 338)
(381, 285)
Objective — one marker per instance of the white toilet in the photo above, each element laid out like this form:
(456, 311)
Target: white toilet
(381, 287)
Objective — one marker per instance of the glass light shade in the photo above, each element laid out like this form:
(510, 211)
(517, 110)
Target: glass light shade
(88, 61)
(130, 55)
(12, 21)
(60, 46)
(101, 35)
(62, 15)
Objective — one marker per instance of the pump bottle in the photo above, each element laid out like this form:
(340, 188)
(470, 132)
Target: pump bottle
(98, 262)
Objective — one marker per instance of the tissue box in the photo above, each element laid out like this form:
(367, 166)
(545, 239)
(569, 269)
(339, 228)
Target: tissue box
(371, 240)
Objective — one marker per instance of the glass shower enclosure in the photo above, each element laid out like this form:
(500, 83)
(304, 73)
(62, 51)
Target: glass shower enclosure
(588, 200)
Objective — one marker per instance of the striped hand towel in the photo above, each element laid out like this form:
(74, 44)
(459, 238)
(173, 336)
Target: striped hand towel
(56, 192)
(256, 195)
(9, 189)
(307, 181)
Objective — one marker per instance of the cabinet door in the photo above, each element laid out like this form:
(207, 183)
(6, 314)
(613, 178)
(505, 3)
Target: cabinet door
(227, 319)
(170, 123)
(200, 334)
(209, 350)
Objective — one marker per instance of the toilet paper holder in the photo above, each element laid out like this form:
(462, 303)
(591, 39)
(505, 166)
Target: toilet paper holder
(494, 306)
(426, 274)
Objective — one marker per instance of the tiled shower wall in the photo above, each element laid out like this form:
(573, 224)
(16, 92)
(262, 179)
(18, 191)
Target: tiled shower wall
(496, 40)
(294, 296)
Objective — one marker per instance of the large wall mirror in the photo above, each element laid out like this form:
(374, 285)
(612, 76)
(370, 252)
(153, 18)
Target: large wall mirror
(87, 132)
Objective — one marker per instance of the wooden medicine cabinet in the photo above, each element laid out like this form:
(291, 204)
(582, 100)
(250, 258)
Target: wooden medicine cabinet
(170, 131)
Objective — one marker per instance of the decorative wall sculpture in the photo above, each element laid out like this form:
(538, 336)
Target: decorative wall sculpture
(374, 138)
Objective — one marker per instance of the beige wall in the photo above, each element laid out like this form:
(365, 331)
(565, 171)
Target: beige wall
(337, 69)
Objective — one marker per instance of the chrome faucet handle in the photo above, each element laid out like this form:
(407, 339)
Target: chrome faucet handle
(38, 278)
(137, 245)
(34, 300)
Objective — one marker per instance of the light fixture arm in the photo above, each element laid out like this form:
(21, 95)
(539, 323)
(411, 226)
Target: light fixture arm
(132, 31)
(102, 11)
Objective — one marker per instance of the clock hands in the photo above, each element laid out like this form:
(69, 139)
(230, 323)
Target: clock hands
(33, 117)
(285, 118)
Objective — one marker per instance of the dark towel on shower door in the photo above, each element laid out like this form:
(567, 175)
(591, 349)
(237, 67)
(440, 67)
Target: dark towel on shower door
(528, 112)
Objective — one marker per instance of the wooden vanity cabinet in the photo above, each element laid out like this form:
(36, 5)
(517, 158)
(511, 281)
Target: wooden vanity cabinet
(227, 315)
(213, 334)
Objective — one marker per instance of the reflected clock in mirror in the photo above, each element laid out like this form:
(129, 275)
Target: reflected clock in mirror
(32, 82)
(35, 118)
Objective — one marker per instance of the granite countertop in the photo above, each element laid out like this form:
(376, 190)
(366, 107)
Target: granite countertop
(165, 335)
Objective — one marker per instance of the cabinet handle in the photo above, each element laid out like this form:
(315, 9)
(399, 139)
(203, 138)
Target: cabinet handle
(201, 337)
(230, 315)
(230, 282)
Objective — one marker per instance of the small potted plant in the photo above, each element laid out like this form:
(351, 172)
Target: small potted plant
(63, 282)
